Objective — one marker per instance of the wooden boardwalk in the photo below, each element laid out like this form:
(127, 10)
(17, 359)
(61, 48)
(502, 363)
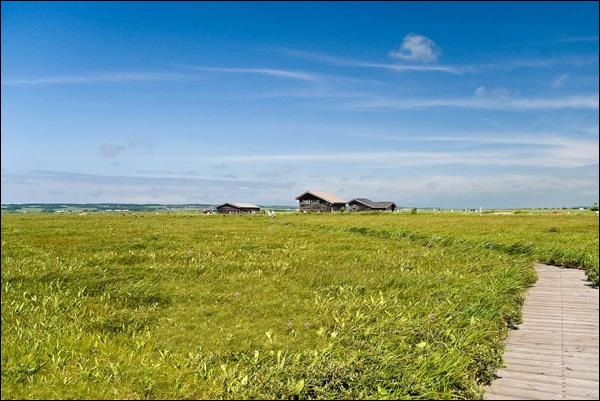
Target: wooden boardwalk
(554, 353)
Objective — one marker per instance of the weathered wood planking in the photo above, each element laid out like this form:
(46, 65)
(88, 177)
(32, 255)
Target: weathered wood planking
(554, 353)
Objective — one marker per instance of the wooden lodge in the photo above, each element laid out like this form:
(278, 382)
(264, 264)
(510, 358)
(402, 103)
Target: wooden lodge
(366, 205)
(229, 208)
(317, 201)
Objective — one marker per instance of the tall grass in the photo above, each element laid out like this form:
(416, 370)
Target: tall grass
(563, 240)
(192, 306)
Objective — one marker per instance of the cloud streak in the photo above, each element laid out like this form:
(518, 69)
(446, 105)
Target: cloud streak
(487, 190)
(579, 39)
(487, 138)
(505, 64)
(559, 81)
(62, 186)
(281, 73)
(120, 77)
(565, 156)
(586, 102)
(546, 150)
(348, 62)
(273, 72)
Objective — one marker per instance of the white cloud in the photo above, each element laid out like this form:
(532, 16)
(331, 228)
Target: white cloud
(132, 77)
(489, 138)
(480, 91)
(119, 77)
(579, 39)
(560, 81)
(504, 64)
(281, 73)
(59, 186)
(520, 149)
(501, 91)
(290, 74)
(417, 47)
(559, 154)
(590, 130)
(445, 188)
(504, 102)
(498, 190)
(348, 62)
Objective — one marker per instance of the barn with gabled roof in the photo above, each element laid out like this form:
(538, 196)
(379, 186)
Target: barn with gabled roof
(319, 201)
(238, 208)
(365, 205)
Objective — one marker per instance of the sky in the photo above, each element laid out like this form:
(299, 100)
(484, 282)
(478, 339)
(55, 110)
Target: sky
(453, 105)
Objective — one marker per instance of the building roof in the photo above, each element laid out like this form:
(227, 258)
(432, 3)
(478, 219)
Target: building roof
(241, 205)
(326, 196)
(373, 204)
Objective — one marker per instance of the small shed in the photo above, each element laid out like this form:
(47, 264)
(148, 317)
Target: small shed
(318, 201)
(365, 205)
(229, 208)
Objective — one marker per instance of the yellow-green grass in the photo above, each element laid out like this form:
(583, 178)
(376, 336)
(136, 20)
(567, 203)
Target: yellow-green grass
(554, 238)
(194, 306)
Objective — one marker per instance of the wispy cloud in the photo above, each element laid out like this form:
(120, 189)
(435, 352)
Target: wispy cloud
(524, 149)
(559, 81)
(496, 103)
(568, 154)
(511, 64)
(63, 186)
(133, 77)
(281, 73)
(590, 129)
(499, 92)
(477, 189)
(273, 72)
(503, 64)
(417, 47)
(489, 138)
(119, 77)
(445, 188)
(349, 62)
(579, 39)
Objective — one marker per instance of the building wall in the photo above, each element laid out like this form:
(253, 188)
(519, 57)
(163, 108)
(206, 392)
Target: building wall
(358, 207)
(314, 205)
(230, 209)
(310, 203)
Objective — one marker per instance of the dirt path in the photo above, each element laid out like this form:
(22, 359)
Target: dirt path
(554, 353)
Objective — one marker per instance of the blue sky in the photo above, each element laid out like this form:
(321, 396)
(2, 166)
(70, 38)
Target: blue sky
(441, 104)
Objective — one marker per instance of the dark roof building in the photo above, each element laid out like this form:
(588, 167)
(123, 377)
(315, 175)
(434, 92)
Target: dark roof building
(238, 208)
(364, 204)
(318, 201)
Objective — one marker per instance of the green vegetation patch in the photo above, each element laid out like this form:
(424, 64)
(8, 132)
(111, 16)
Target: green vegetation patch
(569, 241)
(176, 306)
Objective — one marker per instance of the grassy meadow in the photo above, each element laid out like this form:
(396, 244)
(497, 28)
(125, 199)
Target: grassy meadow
(301, 306)
(558, 238)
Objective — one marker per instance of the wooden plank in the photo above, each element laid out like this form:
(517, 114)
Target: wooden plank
(553, 354)
(552, 371)
(589, 383)
(492, 396)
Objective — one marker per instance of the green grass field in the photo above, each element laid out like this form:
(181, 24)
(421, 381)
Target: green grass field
(302, 306)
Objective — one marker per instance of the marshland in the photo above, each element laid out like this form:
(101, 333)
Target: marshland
(185, 305)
